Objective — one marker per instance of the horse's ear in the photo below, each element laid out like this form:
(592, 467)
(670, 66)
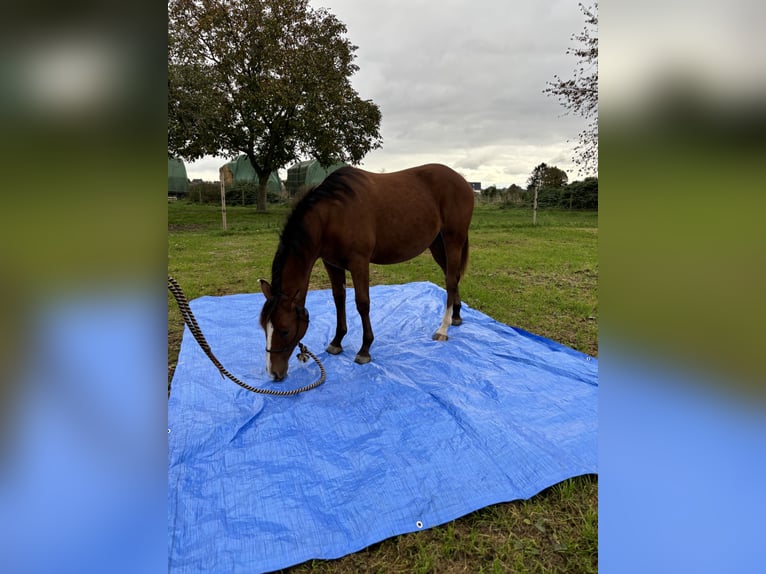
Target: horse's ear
(266, 288)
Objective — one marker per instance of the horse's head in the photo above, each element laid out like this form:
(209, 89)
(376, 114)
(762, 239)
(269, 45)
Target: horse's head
(284, 320)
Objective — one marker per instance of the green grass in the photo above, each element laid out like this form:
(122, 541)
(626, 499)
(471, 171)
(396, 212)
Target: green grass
(540, 278)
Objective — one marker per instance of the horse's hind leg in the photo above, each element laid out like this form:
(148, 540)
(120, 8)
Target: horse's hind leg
(338, 281)
(360, 273)
(439, 253)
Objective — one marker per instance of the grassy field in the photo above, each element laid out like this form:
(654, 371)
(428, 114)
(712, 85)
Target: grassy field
(540, 278)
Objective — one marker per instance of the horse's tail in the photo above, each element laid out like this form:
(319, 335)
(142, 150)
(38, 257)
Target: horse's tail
(464, 258)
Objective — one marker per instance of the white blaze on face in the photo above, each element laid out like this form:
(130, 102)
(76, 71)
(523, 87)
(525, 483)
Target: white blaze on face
(269, 334)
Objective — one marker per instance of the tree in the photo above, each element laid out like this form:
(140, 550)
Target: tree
(267, 78)
(489, 192)
(514, 195)
(544, 177)
(583, 194)
(579, 94)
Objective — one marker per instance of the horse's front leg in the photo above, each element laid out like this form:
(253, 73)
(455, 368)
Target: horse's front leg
(338, 281)
(360, 273)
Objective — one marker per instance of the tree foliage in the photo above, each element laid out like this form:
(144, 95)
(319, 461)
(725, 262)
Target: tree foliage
(579, 94)
(553, 193)
(546, 176)
(583, 194)
(577, 195)
(489, 192)
(267, 78)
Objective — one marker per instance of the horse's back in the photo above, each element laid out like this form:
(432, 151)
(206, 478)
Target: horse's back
(424, 188)
(431, 188)
(406, 210)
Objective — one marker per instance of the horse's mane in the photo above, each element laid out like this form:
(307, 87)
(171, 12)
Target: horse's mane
(339, 185)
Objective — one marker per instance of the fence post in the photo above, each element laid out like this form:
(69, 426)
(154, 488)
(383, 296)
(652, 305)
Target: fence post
(223, 202)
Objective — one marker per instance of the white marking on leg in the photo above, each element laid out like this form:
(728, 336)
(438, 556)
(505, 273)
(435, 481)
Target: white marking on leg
(446, 322)
(269, 333)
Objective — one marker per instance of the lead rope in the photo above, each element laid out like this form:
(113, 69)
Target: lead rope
(191, 322)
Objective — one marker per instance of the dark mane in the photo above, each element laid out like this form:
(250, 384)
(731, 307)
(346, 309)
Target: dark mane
(339, 185)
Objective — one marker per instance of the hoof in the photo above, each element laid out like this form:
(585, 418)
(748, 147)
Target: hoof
(362, 359)
(440, 337)
(333, 350)
(456, 321)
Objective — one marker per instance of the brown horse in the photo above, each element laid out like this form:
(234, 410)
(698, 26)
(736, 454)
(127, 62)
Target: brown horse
(351, 219)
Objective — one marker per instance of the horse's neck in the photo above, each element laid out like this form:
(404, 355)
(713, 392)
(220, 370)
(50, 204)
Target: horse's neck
(296, 273)
(299, 259)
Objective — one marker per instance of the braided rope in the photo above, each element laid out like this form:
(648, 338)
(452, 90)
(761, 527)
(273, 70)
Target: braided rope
(191, 322)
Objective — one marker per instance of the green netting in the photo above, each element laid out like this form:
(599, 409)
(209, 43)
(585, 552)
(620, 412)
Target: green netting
(177, 181)
(241, 171)
(308, 173)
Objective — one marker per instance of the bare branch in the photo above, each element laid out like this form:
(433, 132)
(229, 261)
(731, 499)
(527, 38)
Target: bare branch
(579, 95)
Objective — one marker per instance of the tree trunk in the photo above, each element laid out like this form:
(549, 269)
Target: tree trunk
(263, 181)
(534, 208)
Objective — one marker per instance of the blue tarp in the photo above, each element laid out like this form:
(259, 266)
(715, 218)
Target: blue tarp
(427, 432)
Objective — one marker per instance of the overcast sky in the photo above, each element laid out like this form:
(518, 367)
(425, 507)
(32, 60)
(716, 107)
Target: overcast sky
(460, 82)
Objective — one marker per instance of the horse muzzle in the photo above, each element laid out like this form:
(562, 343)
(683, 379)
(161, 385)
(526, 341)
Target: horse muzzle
(277, 370)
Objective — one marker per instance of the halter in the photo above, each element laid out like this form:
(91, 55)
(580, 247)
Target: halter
(302, 314)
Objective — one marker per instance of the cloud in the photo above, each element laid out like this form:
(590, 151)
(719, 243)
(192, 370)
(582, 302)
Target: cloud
(462, 84)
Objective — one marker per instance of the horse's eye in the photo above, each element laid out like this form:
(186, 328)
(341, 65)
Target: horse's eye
(284, 333)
